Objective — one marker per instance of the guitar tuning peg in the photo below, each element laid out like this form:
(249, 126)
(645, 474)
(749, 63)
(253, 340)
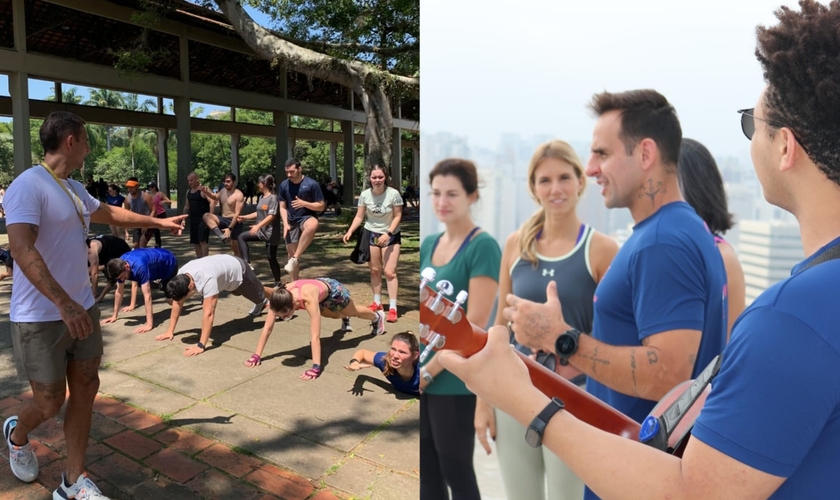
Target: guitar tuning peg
(454, 313)
(426, 275)
(445, 287)
(425, 331)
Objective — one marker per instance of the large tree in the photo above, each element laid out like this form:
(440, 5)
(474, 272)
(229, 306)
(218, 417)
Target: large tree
(369, 46)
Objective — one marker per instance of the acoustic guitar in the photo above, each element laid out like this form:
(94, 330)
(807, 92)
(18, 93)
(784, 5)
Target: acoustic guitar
(443, 325)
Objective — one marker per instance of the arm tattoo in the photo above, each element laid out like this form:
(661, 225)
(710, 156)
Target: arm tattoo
(653, 358)
(596, 360)
(33, 228)
(633, 370)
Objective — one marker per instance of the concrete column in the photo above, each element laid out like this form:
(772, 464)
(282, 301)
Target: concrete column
(59, 95)
(19, 90)
(291, 147)
(183, 135)
(163, 161)
(234, 155)
(182, 123)
(415, 167)
(282, 151)
(396, 159)
(349, 178)
(333, 172)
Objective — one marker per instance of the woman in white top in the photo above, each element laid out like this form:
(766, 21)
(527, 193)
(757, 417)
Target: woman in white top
(382, 206)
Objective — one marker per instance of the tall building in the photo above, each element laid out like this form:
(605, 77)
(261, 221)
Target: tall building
(768, 250)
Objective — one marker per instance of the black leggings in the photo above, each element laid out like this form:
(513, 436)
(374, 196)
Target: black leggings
(447, 442)
(271, 252)
(156, 232)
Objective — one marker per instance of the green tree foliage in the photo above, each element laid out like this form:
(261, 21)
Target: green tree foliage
(116, 165)
(210, 157)
(6, 154)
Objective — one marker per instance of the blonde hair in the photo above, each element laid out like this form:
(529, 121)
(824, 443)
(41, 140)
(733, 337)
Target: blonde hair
(559, 150)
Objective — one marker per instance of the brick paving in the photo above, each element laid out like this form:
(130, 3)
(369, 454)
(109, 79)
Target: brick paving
(166, 426)
(148, 459)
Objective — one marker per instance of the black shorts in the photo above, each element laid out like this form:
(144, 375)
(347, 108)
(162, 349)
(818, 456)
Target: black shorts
(395, 239)
(199, 233)
(224, 223)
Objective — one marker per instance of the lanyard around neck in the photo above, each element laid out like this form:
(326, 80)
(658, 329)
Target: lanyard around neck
(78, 206)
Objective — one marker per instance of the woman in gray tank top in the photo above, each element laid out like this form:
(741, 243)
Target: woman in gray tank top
(553, 245)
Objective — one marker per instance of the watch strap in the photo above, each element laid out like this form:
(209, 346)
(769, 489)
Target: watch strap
(534, 434)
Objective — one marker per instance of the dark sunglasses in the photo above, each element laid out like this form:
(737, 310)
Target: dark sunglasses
(748, 125)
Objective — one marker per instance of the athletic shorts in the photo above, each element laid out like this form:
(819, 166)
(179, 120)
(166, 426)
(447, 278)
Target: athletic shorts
(43, 349)
(295, 229)
(224, 223)
(199, 233)
(337, 296)
(395, 239)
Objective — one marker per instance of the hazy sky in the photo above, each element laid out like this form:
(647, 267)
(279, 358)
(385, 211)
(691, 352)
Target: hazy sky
(531, 66)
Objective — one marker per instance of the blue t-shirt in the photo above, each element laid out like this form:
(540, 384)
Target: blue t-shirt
(116, 201)
(775, 405)
(409, 387)
(149, 264)
(307, 190)
(669, 275)
(5, 257)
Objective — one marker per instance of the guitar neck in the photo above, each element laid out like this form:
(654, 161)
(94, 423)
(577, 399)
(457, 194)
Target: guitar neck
(580, 403)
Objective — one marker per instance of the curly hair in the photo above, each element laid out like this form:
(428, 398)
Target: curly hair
(800, 58)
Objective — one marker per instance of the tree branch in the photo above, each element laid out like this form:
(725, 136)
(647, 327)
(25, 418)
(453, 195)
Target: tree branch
(373, 49)
(270, 46)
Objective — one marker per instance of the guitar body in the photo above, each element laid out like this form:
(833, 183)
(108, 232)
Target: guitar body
(443, 326)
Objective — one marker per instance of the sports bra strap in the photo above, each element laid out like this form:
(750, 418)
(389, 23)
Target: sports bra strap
(463, 244)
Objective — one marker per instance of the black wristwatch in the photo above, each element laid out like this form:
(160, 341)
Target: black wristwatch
(566, 345)
(389, 233)
(534, 434)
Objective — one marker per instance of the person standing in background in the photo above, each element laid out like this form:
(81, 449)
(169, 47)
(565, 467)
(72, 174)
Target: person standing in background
(380, 206)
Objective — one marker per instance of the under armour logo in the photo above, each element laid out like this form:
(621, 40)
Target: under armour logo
(548, 272)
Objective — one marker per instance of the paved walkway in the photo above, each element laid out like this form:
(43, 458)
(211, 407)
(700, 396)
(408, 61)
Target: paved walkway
(168, 426)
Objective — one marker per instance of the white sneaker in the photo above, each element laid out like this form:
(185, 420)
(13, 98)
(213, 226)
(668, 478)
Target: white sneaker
(22, 458)
(258, 308)
(83, 489)
(378, 325)
(291, 265)
(345, 325)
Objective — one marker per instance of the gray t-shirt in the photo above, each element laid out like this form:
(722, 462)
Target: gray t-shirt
(214, 274)
(379, 209)
(267, 205)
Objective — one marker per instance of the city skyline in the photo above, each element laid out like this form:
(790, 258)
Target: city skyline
(533, 69)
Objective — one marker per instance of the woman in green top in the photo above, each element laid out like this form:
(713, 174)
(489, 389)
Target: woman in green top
(469, 259)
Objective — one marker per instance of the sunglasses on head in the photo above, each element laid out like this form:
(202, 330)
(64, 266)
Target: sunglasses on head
(748, 125)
